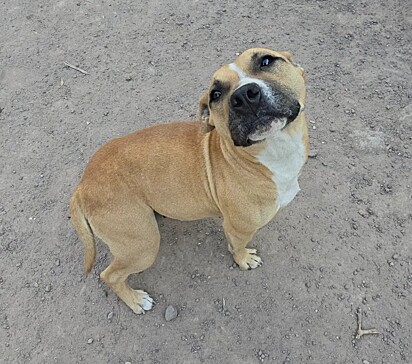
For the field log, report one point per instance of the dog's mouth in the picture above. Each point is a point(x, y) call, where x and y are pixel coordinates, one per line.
point(268, 130)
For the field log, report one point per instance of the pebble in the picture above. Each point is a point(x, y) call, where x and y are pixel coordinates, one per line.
point(365, 361)
point(363, 213)
point(110, 315)
point(48, 288)
point(90, 341)
point(171, 313)
point(57, 262)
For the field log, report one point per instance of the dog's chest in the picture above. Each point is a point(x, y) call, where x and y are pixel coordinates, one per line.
point(284, 156)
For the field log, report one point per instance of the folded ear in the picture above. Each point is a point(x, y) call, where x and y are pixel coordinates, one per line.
point(288, 56)
point(204, 113)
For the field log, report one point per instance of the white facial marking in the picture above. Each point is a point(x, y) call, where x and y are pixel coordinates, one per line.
point(244, 80)
point(284, 156)
point(275, 126)
point(234, 67)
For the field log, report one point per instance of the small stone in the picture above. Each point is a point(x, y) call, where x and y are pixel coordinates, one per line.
point(57, 262)
point(90, 341)
point(127, 362)
point(365, 361)
point(395, 256)
point(363, 213)
point(128, 78)
point(171, 313)
point(48, 288)
point(110, 315)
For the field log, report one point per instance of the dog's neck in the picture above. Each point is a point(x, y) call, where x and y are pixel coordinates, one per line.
point(284, 156)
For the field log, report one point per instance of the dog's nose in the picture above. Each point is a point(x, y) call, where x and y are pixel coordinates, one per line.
point(246, 98)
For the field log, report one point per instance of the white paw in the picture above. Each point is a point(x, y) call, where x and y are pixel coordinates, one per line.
point(142, 302)
point(147, 301)
point(247, 259)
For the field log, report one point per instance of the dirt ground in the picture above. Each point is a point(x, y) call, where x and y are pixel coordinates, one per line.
point(344, 243)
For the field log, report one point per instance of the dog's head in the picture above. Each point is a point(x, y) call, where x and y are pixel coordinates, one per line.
point(249, 100)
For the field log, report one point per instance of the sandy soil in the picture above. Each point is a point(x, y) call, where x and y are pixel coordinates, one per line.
point(343, 244)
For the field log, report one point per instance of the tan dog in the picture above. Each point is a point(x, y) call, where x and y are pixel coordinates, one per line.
point(242, 166)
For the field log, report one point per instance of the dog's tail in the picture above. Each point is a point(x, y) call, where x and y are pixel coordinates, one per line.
point(84, 231)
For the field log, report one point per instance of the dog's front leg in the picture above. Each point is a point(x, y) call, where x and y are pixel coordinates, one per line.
point(238, 240)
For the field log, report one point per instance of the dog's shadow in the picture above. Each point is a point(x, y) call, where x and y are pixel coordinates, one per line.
point(188, 251)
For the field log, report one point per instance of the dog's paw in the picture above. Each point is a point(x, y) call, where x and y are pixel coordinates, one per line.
point(247, 259)
point(142, 302)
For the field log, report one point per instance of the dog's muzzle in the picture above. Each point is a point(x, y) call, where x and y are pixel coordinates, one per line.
point(256, 110)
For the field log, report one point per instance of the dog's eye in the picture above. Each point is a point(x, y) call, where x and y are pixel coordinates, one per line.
point(267, 61)
point(215, 94)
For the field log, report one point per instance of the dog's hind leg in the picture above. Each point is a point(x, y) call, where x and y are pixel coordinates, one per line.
point(115, 276)
point(134, 242)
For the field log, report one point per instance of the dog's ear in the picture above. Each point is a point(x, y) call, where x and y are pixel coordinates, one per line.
point(288, 56)
point(204, 113)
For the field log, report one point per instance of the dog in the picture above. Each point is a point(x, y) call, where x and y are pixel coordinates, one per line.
point(241, 161)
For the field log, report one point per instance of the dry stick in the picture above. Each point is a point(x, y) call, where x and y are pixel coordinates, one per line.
point(360, 332)
point(76, 68)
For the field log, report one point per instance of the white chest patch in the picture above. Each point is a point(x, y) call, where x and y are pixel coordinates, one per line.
point(284, 156)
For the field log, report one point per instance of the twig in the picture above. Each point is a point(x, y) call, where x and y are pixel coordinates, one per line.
point(76, 68)
point(360, 332)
